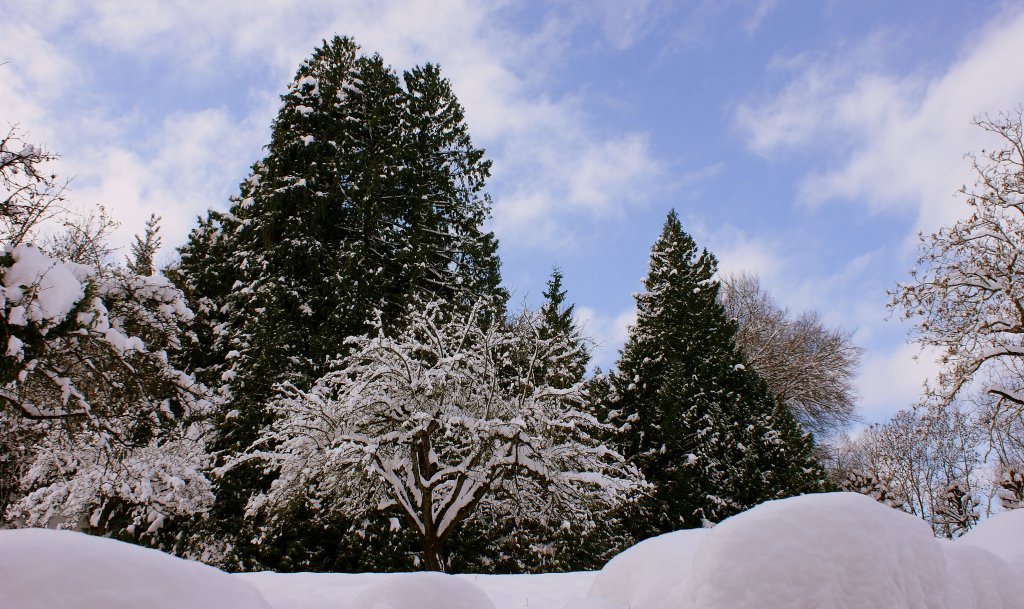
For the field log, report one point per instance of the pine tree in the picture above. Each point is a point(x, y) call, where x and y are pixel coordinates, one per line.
point(369, 198)
point(702, 427)
point(145, 247)
point(557, 321)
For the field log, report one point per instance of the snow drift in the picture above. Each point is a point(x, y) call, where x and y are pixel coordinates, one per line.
point(428, 590)
point(641, 576)
point(1003, 535)
point(834, 550)
point(45, 569)
point(827, 551)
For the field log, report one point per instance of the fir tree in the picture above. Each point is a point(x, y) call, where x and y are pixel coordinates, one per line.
point(557, 321)
point(369, 197)
point(702, 427)
point(145, 247)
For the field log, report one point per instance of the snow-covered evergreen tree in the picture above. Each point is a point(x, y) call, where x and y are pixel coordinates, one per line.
point(703, 427)
point(429, 426)
point(557, 321)
point(145, 247)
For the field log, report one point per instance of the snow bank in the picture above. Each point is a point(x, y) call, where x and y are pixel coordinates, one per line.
point(640, 576)
point(833, 550)
point(44, 569)
point(427, 590)
point(338, 590)
point(1002, 534)
point(836, 550)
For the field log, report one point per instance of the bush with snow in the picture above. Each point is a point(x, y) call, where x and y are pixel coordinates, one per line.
point(443, 421)
point(118, 440)
point(44, 569)
point(428, 590)
point(833, 550)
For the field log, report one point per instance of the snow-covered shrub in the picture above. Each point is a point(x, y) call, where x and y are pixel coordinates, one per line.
point(42, 569)
point(423, 591)
point(86, 358)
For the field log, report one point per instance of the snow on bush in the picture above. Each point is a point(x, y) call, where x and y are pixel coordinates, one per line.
point(832, 550)
point(44, 569)
point(1002, 535)
point(86, 360)
point(640, 576)
point(426, 590)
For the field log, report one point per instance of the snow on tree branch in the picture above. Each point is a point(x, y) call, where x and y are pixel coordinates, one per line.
point(437, 422)
point(966, 293)
point(28, 193)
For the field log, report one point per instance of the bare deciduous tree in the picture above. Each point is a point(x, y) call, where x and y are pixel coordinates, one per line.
point(928, 465)
point(966, 292)
point(807, 365)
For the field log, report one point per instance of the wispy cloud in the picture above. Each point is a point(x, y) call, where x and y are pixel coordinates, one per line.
point(891, 141)
point(554, 165)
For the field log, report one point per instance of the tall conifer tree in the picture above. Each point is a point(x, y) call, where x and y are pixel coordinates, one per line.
point(369, 197)
point(701, 426)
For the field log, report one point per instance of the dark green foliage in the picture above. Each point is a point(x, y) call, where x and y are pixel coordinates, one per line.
point(369, 197)
point(145, 247)
point(702, 427)
point(558, 321)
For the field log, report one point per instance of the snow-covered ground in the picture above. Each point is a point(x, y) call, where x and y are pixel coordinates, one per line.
point(835, 551)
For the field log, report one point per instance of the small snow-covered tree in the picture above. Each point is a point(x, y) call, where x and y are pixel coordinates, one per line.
point(966, 292)
point(808, 366)
point(956, 511)
point(442, 420)
point(145, 247)
point(87, 360)
point(1011, 489)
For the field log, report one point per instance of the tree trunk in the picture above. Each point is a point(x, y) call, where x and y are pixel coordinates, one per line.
point(432, 554)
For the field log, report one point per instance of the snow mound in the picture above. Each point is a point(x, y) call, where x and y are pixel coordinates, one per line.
point(425, 590)
point(1002, 534)
point(842, 551)
point(978, 579)
point(830, 550)
point(43, 569)
point(639, 576)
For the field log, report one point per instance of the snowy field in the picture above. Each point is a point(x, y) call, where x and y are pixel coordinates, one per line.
point(829, 551)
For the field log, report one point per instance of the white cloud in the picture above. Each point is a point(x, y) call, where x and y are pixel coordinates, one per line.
point(893, 380)
point(609, 333)
point(552, 162)
point(892, 141)
point(178, 171)
point(740, 253)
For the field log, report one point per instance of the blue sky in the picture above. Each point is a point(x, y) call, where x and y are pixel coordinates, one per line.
point(806, 142)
